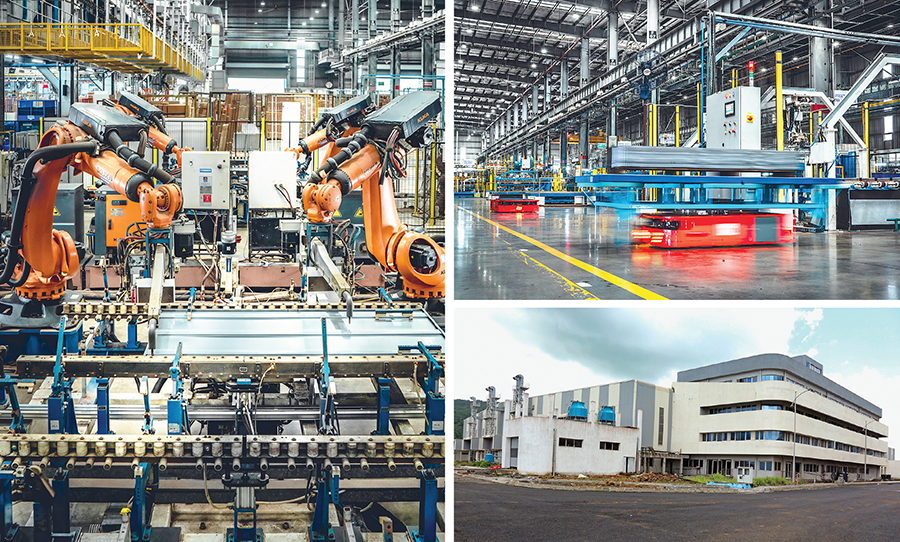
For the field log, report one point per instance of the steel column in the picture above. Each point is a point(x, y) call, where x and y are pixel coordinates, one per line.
point(652, 21)
point(612, 46)
point(563, 78)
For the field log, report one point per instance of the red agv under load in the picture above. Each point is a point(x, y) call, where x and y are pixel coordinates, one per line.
point(714, 230)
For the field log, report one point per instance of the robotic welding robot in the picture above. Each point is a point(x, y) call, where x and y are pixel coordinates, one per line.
point(38, 260)
point(371, 158)
point(340, 121)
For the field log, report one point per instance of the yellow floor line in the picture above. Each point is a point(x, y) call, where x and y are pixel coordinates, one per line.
point(573, 288)
point(605, 275)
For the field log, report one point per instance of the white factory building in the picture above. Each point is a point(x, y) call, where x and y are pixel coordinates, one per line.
point(578, 444)
point(735, 418)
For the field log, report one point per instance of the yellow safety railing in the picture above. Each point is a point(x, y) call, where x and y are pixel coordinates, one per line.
point(128, 47)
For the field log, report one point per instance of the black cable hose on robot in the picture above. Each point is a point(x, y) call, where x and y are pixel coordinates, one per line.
point(134, 160)
point(45, 154)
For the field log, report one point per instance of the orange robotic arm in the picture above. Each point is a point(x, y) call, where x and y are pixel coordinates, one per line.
point(323, 138)
point(416, 257)
point(44, 268)
point(155, 137)
point(166, 144)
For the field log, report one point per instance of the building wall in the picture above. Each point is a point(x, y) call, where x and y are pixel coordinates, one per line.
point(627, 398)
point(537, 445)
point(694, 400)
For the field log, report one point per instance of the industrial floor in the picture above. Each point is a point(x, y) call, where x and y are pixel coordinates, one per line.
point(569, 252)
point(833, 514)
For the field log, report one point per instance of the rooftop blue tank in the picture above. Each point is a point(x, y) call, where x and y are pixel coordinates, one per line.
point(577, 410)
point(607, 416)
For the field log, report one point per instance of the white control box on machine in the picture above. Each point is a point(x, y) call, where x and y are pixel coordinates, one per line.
point(272, 176)
point(206, 180)
point(732, 119)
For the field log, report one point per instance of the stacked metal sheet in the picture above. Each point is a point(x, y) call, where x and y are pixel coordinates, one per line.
point(693, 159)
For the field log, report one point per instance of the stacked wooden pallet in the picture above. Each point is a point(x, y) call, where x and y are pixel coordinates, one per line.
point(228, 110)
point(271, 106)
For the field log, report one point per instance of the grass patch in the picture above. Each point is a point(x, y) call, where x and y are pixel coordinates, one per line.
point(484, 464)
point(702, 479)
point(771, 481)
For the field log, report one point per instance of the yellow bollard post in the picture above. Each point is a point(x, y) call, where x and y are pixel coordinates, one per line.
point(779, 105)
point(699, 116)
point(262, 134)
point(865, 171)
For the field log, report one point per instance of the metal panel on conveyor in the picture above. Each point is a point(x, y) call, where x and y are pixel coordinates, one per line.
point(691, 159)
point(292, 332)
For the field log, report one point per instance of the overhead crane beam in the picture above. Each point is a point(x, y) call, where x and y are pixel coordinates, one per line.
point(559, 28)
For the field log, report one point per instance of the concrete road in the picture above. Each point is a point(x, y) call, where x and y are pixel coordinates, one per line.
point(488, 512)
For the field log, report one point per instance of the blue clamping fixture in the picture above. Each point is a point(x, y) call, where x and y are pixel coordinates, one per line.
point(60, 406)
point(434, 399)
point(384, 407)
point(328, 493)
point(146, 482)
point(8, 529)
point(176, 408)
point(327, 412)
point(147, 428)
point(428, 494)
point(103, 407)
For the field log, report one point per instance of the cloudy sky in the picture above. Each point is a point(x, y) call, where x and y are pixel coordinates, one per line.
point(562, 349)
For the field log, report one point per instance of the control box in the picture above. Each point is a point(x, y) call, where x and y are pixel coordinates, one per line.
point(113, 214)
point(272, 176)
point(206, 180)
point(732, 119)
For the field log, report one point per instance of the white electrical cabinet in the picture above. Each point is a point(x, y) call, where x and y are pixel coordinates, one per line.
point(272, 176)
point(732, 119)
point(206, 180)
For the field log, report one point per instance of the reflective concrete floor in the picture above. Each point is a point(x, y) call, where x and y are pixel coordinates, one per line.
point(586, 253)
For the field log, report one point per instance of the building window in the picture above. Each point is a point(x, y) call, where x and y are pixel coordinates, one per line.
point(740, 435)
point(748, 379)
point(778, 465)
point(609, 446)
point(771, 407)
point(765, 465)
point(771, 435)
point(888, 127)
point(662, 413)
point(301, 66)
point(570, 442)
point(810, 467)
point(772, 377)
point(813, 367)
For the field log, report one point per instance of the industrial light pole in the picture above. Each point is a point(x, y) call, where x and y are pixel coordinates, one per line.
point(866, 450)
point(794, 438)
